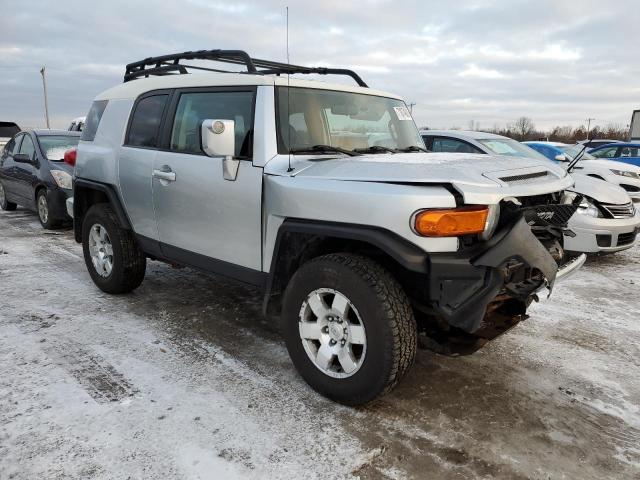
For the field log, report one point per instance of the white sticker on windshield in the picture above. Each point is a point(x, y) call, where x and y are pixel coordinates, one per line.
point(402, 113)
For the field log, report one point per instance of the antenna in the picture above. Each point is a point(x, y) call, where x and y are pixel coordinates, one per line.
point(289, 169)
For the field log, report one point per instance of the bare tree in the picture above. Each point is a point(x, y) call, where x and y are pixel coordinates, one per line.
point(523, 127)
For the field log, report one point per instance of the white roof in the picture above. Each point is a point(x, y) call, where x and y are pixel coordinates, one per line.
point(134, 88)
point(464, 134)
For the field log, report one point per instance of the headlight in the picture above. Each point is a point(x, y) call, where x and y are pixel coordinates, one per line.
point(63, 179)
point(587, 207)
point(624, 173)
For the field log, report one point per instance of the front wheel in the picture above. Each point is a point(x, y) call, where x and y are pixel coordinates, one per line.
point(44, 214)
point(114, 260)
point(349, 327)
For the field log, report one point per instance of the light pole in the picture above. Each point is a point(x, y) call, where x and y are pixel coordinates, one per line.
point(589, 126)
point(46, 100)
point(411, 107)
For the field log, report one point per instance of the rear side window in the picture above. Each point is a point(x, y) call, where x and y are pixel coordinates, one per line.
point(93, 120)
point(453, 146)
point(145, 122)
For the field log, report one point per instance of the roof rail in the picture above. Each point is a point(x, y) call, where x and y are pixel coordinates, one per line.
point(170, 64)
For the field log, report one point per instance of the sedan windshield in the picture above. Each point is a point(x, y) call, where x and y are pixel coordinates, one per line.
point(309, 119)
point(572, 150)
point(506, 146)
point(54, 146)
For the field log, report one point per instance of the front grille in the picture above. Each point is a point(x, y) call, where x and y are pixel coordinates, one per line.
point(557, 215)
point(626, 238)
point(630, 188)
point(619, 211)
point(526, 178)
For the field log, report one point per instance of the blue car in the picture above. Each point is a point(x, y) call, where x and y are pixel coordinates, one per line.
point(620, 152)
point(551, 150)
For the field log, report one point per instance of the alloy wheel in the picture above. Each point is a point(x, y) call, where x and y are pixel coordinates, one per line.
point(43, 208)
point(332, 333)
point(101, 250)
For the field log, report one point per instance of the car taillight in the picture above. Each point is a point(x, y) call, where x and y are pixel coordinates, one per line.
point(70, 156)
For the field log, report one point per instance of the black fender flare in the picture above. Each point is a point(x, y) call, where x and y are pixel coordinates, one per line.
point(81, 187)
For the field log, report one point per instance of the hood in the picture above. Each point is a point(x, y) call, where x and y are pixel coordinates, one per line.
point(599, 190)
point(470, 174)
point(610, 164)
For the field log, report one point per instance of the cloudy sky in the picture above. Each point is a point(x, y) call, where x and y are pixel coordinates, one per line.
point(558, 62)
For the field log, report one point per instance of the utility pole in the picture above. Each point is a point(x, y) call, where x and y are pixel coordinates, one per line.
point(46, 100)
point(589, 126)
point(411, 107)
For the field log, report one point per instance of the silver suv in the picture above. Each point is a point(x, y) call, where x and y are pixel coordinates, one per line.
point(324, 197)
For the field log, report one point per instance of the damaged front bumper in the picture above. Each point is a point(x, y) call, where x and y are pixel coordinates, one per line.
point(461, 286)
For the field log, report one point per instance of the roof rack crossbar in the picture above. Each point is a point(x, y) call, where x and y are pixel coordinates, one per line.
point(170, 64)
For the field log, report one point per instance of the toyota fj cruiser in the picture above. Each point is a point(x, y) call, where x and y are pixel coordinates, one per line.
point(324, 197)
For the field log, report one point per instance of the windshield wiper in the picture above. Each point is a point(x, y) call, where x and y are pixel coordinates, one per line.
point(323, 149)
point(576, 159)
point(376, 149)
point(412, 148)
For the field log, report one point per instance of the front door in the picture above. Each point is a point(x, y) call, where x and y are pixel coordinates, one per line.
point(25, 173)
point(203, 219)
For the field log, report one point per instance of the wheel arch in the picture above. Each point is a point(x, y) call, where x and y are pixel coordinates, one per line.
point(87, 193)
point(298, 241)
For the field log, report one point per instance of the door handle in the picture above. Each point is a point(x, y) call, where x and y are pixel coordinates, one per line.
point(165, 173)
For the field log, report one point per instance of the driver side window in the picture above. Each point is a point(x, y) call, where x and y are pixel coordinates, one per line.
point(605, 152)
point(28, 148)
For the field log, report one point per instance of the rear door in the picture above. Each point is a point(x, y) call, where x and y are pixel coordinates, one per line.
point(25, 173)
point(203, 219)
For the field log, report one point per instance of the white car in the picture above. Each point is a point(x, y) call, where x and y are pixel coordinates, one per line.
point(607, 220)
point(7, 131)
point(77, 124)
point(624, 175)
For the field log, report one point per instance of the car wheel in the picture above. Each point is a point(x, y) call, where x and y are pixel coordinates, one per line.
point(44, 213)
point(112, 255)
point(348, 327)
point(4, 203)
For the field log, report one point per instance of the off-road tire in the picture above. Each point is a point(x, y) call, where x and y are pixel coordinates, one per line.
point(50, 223)
point(6, 204)
point(129, 261)
point(385, 312)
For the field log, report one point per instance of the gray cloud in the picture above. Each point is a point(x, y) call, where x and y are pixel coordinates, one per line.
point(482, 60)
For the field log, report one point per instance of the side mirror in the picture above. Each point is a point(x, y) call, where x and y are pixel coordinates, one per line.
point(561, 158)
point(22, 158)
point(219, 140)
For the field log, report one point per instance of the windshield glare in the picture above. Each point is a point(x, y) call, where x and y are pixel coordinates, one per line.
point(504, 146)
point(54, 146)
point(573, 150)
point(308, 117)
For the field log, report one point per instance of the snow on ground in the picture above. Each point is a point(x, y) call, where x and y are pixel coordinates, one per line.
point(184, 379)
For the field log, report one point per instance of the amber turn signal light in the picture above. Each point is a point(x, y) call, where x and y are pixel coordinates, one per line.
point(451, 222)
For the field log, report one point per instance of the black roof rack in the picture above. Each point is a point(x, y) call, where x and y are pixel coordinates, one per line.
point(170, 64)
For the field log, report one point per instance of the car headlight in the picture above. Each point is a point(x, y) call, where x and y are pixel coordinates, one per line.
point(587, 207)
point(63, 179)
point(624, 173)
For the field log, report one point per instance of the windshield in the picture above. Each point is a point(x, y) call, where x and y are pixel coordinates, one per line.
point(54, 146)
point(506, 146)
point(309, 117)
point(572, 150)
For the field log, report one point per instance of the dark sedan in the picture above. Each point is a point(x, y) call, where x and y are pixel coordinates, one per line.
point(34, 175)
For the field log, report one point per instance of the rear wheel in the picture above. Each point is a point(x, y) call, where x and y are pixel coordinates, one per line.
point(114, 260)
point(349, 327)
point(44, 214)
point(4, 203)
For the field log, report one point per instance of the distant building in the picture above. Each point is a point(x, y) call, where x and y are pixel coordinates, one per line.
point(634, 129)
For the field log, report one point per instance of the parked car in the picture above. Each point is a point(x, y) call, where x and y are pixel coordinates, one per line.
point(283, 183)
point(7, 130)
point(624, 175)
point(33, 174)
point(77, 124)
point(621, 152)
point(594, 143)
point(605, 210)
